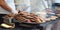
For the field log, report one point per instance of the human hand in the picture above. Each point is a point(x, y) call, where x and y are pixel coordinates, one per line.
point(14, 12)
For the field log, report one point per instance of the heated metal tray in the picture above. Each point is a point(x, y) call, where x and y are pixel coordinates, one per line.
point(35, 25)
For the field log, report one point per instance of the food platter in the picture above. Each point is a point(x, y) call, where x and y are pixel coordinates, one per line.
point(30, 19)
point(35, 25)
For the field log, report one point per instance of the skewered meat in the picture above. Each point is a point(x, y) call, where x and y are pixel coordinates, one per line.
point(58, 15)
point(26, 17)
point(24, 13)
point(53, 17)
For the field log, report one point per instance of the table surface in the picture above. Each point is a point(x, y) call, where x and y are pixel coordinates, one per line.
point(43, 24)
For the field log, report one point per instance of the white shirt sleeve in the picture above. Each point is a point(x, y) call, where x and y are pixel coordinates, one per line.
point(11, 4)
point(24, 5)
point(56, 1)
point(45, 3)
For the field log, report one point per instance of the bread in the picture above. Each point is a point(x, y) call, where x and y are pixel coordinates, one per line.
point(58, 15)
point(53, 17)
point(7, 26)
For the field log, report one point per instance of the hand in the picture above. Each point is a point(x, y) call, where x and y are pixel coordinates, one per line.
point(14, 12)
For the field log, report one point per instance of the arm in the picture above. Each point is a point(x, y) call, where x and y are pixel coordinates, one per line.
point(4, 5)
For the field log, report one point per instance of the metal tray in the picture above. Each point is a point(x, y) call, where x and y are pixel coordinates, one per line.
point(34, 25)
